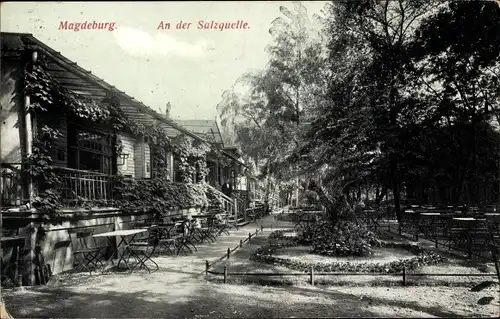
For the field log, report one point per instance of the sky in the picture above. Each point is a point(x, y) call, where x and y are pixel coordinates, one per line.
point(190, 68)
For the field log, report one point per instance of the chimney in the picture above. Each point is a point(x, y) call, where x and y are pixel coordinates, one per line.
point(167, 110)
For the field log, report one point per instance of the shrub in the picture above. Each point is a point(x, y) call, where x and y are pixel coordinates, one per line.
point(344, 238)
point(309, 198)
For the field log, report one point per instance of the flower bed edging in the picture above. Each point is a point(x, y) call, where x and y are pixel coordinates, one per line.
point(423, 257)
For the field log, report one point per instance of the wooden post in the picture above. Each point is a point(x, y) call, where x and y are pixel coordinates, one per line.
point(249, 236)
point(261, 228)
point(228, 253)
point(469, 245)
point(404, 275)
point(235, 203)
point(225, 274)
point(207, 266)
point(16, 255)
point(241, 243)
point(311, 276)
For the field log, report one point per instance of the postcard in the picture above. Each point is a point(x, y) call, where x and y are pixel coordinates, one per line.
point(247, 159)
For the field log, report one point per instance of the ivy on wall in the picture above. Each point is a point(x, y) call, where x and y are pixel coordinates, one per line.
point(157, 194)
point(192, 158)
point(40, 169)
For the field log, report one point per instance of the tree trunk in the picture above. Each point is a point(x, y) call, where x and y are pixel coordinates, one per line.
point(327, 203)
point(395, 188)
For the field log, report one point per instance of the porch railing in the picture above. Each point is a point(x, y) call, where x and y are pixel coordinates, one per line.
point(11, 185)
point(228, 203)
point(84, 186)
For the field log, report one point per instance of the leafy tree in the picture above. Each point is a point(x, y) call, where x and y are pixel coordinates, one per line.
point(268, 120)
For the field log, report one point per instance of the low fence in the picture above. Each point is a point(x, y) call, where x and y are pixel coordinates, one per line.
point(208, 265)
point(404, 274)
point(312, 274)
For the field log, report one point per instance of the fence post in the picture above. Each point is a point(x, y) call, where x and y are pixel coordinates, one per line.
point(207, 266)
point(256, 231)
point(228, 253)
point(249, 236)
point(241, 243)
point(469, 245)
point(404, 275)
point(225, 274)
point(261, 228)
point(311, 276)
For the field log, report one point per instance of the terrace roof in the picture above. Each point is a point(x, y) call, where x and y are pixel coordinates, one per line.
point(81, 82)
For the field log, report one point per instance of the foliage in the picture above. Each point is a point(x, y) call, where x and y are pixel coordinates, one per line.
point(42, 174)
point(214, 200)
point(345, 238)
point(47, 93)
point(397, 105)
point(157, 195)
point(309, 198)
point(267, 121)
point(423, 257)
point(192, 158)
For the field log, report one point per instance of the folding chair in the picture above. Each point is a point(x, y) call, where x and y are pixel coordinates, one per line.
point(187, 238)
point(222, 226)
point(143, 249)
point(85, 247)
point(168, 237)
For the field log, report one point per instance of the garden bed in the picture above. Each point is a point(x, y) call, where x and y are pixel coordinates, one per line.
point(388, 257)
point(243, 261)
point(380, 255)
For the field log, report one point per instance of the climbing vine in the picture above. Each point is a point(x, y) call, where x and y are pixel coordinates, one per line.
point(192, 158)
point(42, 173)
point(158, 194)
point(46, 93)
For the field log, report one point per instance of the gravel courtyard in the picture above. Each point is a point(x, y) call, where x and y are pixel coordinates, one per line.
point(178, 290)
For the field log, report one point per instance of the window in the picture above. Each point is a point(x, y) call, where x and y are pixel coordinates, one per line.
point(91, 151)
point(177, 173)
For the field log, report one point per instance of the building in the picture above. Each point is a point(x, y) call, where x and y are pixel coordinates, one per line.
point(69, 141)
